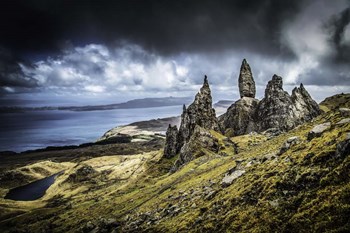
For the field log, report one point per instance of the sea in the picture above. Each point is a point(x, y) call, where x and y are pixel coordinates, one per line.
point(38, 129)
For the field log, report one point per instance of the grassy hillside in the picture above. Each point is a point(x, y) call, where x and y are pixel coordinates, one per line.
point(336, 101)
point(304, 189)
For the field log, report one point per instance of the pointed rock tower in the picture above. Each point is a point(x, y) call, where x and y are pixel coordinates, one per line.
point(200, 113)
point(246, 81)
point(239, 118)
point(196, 121)
point(170, 142)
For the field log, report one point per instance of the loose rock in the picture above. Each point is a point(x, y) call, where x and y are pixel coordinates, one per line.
point(230, 177)
point(318, 130)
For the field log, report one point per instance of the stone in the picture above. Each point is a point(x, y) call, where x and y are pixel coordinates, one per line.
point(343, 148)
point(201, 139)
point(318, 130)
point(287, 144)
point(246, 81)
point(240, 117)
point(345, 112)
point(230, 176)
point(272, 132)
point(210, 195)
point(343, 121)
point(170, 142)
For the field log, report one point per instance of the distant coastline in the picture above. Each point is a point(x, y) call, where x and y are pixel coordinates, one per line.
point(136, 103)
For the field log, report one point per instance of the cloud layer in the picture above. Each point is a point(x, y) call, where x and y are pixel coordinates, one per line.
point(153, 49)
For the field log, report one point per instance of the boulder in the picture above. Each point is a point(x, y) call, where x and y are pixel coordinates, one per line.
point(246, 81)
point(170, 142)
point(287, 144)
point(318, 130)
point(343, 148)
point(343, 121)
point(345, 112)
point(230, 176)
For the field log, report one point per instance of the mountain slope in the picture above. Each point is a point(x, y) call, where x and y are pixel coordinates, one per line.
point(263, 184)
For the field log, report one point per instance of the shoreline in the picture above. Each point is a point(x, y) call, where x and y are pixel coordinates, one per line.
point(140, 131)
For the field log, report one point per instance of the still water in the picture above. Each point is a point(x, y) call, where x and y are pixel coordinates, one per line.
point(39, 129)
point(31, 191)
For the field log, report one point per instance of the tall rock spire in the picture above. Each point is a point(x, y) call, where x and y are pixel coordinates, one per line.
point(246, 81)
point(200, 113)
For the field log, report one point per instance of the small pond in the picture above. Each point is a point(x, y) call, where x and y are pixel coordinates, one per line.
point(32, 191)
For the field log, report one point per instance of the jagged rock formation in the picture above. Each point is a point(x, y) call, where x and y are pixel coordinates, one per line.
point(170, 142)
point(276, 110)
point(246, 81)
point(200, 113)
point(280, 110)
point(195, 121)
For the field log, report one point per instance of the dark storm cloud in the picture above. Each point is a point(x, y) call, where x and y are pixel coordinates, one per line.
point(167, 27)
point(147, 47)
point(337, 26)
point(11, 74)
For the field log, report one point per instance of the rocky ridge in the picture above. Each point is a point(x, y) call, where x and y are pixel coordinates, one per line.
point(277, 110)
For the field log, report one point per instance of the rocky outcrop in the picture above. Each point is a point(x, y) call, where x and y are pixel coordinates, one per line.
point(199, 140)
point(280, 110)
point(196, 121)
point(200, 113)
point(318, 130)
point(288, 144)
point(306, 107)
point(246, 81)
point(345, 112)
point(277, 110)
point(170, 142)
point(230, 176)
point(239, 118)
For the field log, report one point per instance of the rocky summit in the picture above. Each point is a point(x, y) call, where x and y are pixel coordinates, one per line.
point(277, 110)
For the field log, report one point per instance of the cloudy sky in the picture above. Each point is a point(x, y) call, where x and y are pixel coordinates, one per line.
point(83, 51)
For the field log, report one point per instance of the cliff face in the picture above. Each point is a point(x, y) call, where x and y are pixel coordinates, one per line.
point(277, 109)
